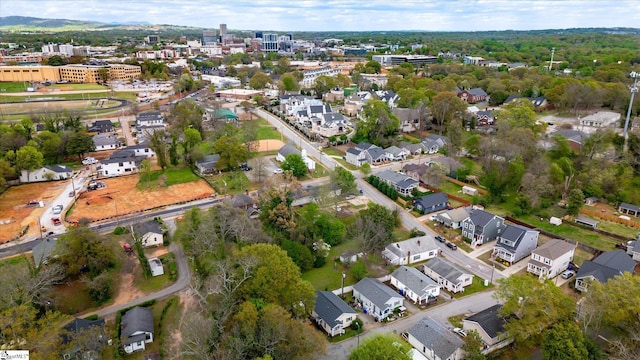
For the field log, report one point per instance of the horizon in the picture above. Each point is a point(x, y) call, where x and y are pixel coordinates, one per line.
point(342, 16)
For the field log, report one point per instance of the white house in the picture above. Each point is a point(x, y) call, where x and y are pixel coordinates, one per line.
point(156, 267)
point(435, 341)
point(46, 173)
point(148, 233)
point(331, 313)
point(141, 150)
point(355, 157)
point(289, 149)
point(395, 153)
point(448, 275)
point(551, 259)
point(105, 141)
point(411, 251)
point(152, 118)
point(120, 163)
point(414, 284)
point(377, 299)
point(137, 329)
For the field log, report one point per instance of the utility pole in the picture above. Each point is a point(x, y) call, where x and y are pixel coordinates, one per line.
point(634, 89)
point(553, 51)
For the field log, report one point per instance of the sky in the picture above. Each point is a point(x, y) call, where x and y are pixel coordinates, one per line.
point(342, 15)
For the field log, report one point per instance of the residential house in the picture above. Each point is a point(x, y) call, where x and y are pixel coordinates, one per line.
point(435, 341)
point(415, 285)
point(409, 118)
point(208, 164)
point(156, 267)
point(489, 324)
point(633, 249)
point(415, 171)
point(540, 103)
point(551, 259)
point(485, 118)
point(375, 156)
point(331, 124)
point(591, 200)
point(515, 243)
point(395, 153)
point(144, 133)
point(119, 163)
point(141, 150)
point(243, 201)
point(431, 203)
point(448, 275)
point(105, 141)
point(629, 209)
point(453, 218)
point(46, 173)
point(355, 157)
point(43, 250)
point(363, 146)
point(148, 233)
point(448, 164)
point(411, 251)
point(412, 149)
point(481, 227)
point(136, 329)
point(348, 257)
point(289, 149)
point(352, 105)
point(377, 299)
point(101, 126)
point(606, 266)
point(474, 95)
point(153, 118)
point(401, 182)
point(90, 333)
point(331, 313)
point(575, 138)
point(433, 143)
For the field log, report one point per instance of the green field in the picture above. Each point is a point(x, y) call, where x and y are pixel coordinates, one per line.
point(166, 178)
point(77, 87)
point(10, 87)
point(265, 131)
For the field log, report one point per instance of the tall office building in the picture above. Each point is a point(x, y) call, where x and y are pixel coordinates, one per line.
point(257, 35)
point(223, 30)
point(269, 42)
point(209, 37)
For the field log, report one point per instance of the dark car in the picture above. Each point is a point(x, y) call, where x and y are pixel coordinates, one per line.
point(245, 167)
point(452, 246)
point(441, 239)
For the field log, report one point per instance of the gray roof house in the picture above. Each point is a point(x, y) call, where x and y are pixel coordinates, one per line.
point(633, 249)
point(414, 284)
point(46, 173)
point(208, 164)
point(604, 267)
point(629, 209)
point(375, 155)
point(148, 233)
point(515, 243)
point(453, 218)
point(434, 340)
point(137, 329)
point(448, 275)
point(101, 126)
point(395, 153)
point(363, 146)
point(105, 141)
point(551, 258)
point(355, 157)
point(449, 164)
point(401, 182)
point(43, 250)
point(481, 227)
point(377, 299)
point(489, 324)
point(411, 251)
point(413, 149)
point(431, 203)
point(433, 143)
point(331, 313)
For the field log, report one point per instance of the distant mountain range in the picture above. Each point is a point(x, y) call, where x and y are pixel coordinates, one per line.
point(32, 23)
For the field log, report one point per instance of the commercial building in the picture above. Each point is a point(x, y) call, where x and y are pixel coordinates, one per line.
point(70, 73)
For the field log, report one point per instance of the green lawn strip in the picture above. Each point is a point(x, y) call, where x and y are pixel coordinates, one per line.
point(233, 182)
point(155, 283)
point(349, 333)
point(329, 277)
point(475, 287)
point(486, 257)
point(77, 87)
point(14, 260)
point(265, 133)
point(333, 152)
point(180, 176)
point(456, 320)
point(346, 165)
point(581, 235)
point(11, 87)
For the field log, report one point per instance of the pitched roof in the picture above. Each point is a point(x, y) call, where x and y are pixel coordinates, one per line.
point(416, 245)
point(480, 217)
point(146, 227)
point(445, 269)
point(59, 168)
point(148, 116)
point(137, 319)
point(242, 200)
point(378, 293)
point(414, 279)
point(433, 335)
point(105, 139)
point(477, 92)
point(554, 249)
point(289, 149)
point(607, 265)
point(330, 307)
point(457, 214)
point(630, 206)
point(514, 233)
point(354, 151)
point(490, 320)
point(392, 176)
point(376, 153)
point(418, 168)
point(394, 150)
point(407, 183)
point(432, 200)
point(364, 146)
point(79, 325)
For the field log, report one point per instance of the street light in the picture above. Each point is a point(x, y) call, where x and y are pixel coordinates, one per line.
point(343, 276)
point(634, 89)
point(358, 325)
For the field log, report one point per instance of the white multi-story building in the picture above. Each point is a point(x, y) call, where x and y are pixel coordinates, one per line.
point(310, 76)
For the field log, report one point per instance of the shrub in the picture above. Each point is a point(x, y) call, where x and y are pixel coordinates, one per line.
point(119, 230)
point(357, 324)
point(415, 233)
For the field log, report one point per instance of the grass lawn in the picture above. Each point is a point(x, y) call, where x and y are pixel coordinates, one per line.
point(123, 95)
point(72, 297)
point(266, 131)
point(13, 86)
point(475, 287)
point(616, 228)
point(346, 165)
point(233, 182)
point(155, 283)
point(333, 152)
point(349, 333)
point(329, 277)
point(180, 176)
point(77, 87)
point(456, 320)
point(581, 235)
point(14, 260)
point(486, 257)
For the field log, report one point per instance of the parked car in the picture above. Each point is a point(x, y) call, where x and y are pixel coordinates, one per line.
point(568, 274)
point(72, 193)
point(56, 221)
point(89, 161)
point(350, 197)
point(278, 171)
point(451, 246)
point(441, 239)
point(460, 332)
point(245, 167)
point(57, 209)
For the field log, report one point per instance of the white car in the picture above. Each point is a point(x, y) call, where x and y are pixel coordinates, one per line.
point(460, 332)
point(89, 161)
point(278, 171)
point(568, 274)
point(57, 209)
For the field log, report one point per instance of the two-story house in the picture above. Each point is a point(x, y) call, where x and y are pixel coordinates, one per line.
point(105, 141)
point(152, 118)
point(376, 298)
point(395, 153)
point(415, 285)
point(604, 267)
point(448, 275)
point(434, 340)
point(474, 95)
point(515, 243)
point(355, 157)
point(551, 259)
point(411, 251)
point(482, 227)
point(119, 163)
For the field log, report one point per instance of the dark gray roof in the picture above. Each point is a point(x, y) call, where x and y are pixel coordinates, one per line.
point(393, 177)
point(330, 307)
point(152, 115)
point(316, 109)
point(480, 217)
point(445, 269)
point(477, 92)
point(42, 250)
point(105, 139)
point(513, 233)
point(122, 154)
point(414, 279)
point(407, 183)
point(487, 113)
point(242, 200)
point(364, 146)
point(353, 151)
point(333, 117)
point(607, 265)
point(630, 207)
point(377, 292)
point(431, 200)
point(137, 319)
point(585, 220)
point(59, 168)
point(437, 137)
point(289, 149)
point(79, 325)
point(376, 153)
point(433, 335)
point(573, 135)
point(146, 227)
point(490, 320)
point(209, 161)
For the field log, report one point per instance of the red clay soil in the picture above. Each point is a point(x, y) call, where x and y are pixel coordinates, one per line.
point(122, 194)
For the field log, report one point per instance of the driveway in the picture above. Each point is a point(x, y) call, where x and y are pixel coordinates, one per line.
point(65, 200)
point(126, 130)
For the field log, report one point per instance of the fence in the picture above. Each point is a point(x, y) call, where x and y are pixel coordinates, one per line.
point(462, 183)
point(464, 202)
point(612, 218)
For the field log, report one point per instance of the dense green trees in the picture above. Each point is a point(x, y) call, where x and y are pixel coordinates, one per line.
point(383, 347)
point(295, 164)
point(378, 123)
point(80, 143)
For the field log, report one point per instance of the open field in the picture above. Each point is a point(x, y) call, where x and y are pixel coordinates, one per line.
point(266, 131)
point(269, 145)
point(15, 216)
point(54, 106)
point(122, 196)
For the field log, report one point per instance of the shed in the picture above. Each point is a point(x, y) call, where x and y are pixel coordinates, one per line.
point(590, 201)
point(555, 221)
point(468, 190)
point(586, 221)
point(156, 267)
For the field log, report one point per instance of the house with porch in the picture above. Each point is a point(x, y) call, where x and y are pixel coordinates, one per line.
point(375, 156)
point(152, 118)
point(451, 277)
point(208, 164)
point(433, 340)
point(411, 251)
point(395, 153)
point(105, 141)
point(355, 157)
point(604, 267)
point(551, 259)
point(515, 243)
point(482, 227)
point(489, 324)
point(332, 314)
point(289, 149)
point(411, 148)
point(629, 209)
point(415, 285)
point(136, 329)
point(453, 218)
point(433, 143)
point(122, 162)
point(431, 203)
point(401, 182)
point(46, 173)
point(415, 171)
point(376, 298)
point(141, 150)
point(149, 233)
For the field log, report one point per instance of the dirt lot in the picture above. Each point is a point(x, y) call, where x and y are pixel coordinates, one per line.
point(269, 145)
point(121, 193)
point(14, 215)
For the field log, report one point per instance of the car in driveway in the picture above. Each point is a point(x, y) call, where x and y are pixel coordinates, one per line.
point(441, 239)
point(57, 209)
point(56, 221)
point(89, 161)
point(460, 332)
point(451, 246)
point(568, 274)
point(278, 171)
